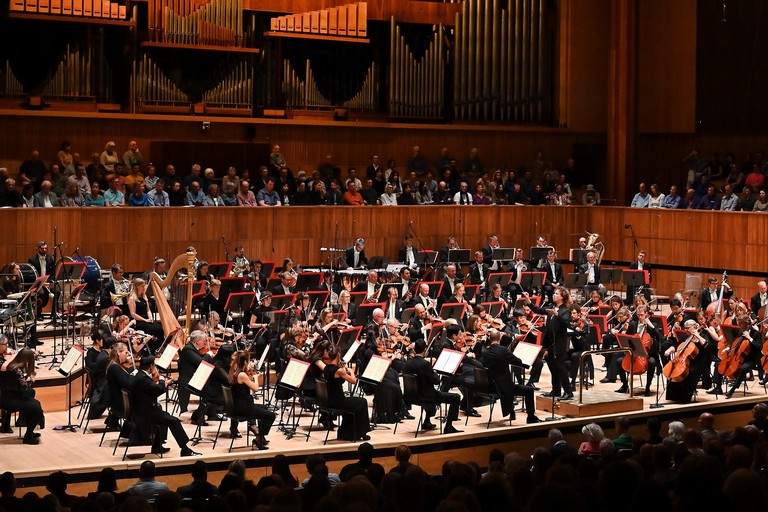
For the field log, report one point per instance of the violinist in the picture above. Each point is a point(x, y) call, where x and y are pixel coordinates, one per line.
point(394, 307)
point(464, 378)
point(523, 329)
point(642, 327)
point(96, 360)
point(296, 342)
point(261, 326)
point(751, 355)
point(486, 321)
point(119, 377)
point(709, 328)
point(458, 298)
point(404, 280)
point(191, 355)
point(496, 296)
point(676, 316)
point(683, 390)
point(592, 306)
point(497, 360)
point(243, 379)
point(19, 395)
point(620, 326)
point(217, 333)
point(616, 304)
point(579, 334)
point(419, 324)
point(305, 309)
point(452, 279)
point(123, 329)
point(329, 328)
point(138, 306)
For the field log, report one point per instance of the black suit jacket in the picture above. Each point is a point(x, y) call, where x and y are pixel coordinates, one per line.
point(474, 273)
point(362, 286)
point(497, 360)
point(399, 308)
point(707, 296)
point(426, 378)
point(754, 304)
point(189, 360)
point(556, 335)
point(145, 393)
point(557, 277)
point(646, 266)
point(117, 380)
point(401, 254)
point(349, 256)
point(49, 264)
point(585, 269)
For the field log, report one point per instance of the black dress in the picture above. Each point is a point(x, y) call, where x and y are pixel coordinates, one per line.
point(19, 396)
point(359, 426)
point(244, 406)
point(153, 328)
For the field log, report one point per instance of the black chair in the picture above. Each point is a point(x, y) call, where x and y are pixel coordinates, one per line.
point(229, 414)
point(85, 404)
point(483, 390)
point(3, 412)
point(411, 397)
point(321, 405)
point(131, 425)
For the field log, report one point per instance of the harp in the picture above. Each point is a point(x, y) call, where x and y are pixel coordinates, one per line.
point(168, 319)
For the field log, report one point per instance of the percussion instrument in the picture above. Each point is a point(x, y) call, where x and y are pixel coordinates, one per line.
point(92, 274)
point(28, 275)
point(350, 277)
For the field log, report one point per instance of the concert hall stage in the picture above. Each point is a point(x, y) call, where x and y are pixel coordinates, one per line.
point(80, 455)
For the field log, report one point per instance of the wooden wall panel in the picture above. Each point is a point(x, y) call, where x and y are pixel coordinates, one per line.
point(134, 237)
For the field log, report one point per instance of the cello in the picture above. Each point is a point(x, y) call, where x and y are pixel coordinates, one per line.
point(678, 367)
point(638, 365)
point(732, 356)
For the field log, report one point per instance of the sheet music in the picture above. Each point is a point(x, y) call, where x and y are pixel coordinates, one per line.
point(168, 354)
point(263, 358)
point(201, 376)
point(527, 352)
point(294, 373)
point(73, 356)
point(448, 361)
point(351, 351)
point(376, 369)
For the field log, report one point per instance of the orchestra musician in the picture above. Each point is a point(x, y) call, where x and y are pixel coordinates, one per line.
point(138, 307)
point(554, 277)
point(451, 279)
point(496, 296)
point(517, 266)
point(244, 380)
point(329, 286)
point(426, 379)
point(119, 378)
point(683, 391)
point(6, 354)
point(464, 377)
point(641, 326)
point(556, 342)
point(407, 253)
point(592, 271)
point(423, 298)
point(240, 263)
point(96, 360)
point(497, 360)
point(640, 264)
point(458, 298)
point(478, 271)
point(355, 255)
point(394, 307)
point(619, 324)
point(676, 315)
point(523, 329)
point(451, 245)
point(306, 309)
point(579, 343)
point(328, 327)
point(419, 324)
point(285, 286)
point(137, 340)
point(759, 300)
point(404, 280)
point(345, 305)
point(712, 292)
point(335, 374)
point(190, 357)
point(118, 286)
point(260, 325)
point(148, 414)
point(752, 335)
point(202, 274)
point(493, 243)
point(213, 300)
point(370, 286)
point(18, 393)
point(592, 306)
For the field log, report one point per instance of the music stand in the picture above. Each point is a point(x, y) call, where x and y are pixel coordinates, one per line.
point(277, 319)
point(530, 280)
point(660, 322)
point(493, 308)
point(384, 294)
point(70, 270)
point(239, 302)
point(357, 298)
point(365, 312)
point(535, 300)
point(634, 278)
point(576, 281)
point(600, 320)
point(634, 343)
point(454, 310)
point(292, 379)
point(425, 257)
point(435, 288)
point(306, 281)
point(537, 255)
point(459, 256)
point(220, 269)
point(407, 315)
point(268, 268)
point(74, 355)
point(471, 290)
point(196, 385)
point(349, 336)
point(609, 276)
point(378, 262)
point(283, 301)
point(501, 254)
point(448, 362)
point(319, 298)
point(434, 333)
point(579, 256)
point(501, 278)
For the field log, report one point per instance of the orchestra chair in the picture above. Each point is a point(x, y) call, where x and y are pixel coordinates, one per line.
point(411, 397)
point(128, 416)
point(85, 403)
point(321, 405)
point(482, 389)
point(3, 410)
point(229, 414)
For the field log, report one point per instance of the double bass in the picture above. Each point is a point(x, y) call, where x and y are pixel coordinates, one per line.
point(716, 308)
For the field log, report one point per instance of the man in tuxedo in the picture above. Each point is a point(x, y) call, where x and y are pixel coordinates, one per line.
point(42, 261)
point(407, 253)
point(370, 286)
point(422, 298)
point(284, 287)
point(451, 245)
point(452, 277)
point(759, 299)
point(426, 379)
point(478, 270)
point(556, 343)
point(497, 360)
point(554, 277)
point(355, 255)
point(712, 293)
point(404, 282)
point(417, 324)
point(464, 377)
point(394, 306)
point(189, 359)
point(148, 414)
point(493, 243)
point(592, 270)
point(640, 264)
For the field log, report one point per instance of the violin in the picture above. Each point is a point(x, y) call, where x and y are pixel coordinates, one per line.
point(465, 340)
point(488, 322)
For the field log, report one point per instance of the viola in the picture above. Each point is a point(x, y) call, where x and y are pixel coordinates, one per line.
point(488, 322)
point(465, 340)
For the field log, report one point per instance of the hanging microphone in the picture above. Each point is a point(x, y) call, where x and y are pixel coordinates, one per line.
point(627, 226)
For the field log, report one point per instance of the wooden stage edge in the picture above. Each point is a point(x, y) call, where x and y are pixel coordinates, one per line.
point(58, 450)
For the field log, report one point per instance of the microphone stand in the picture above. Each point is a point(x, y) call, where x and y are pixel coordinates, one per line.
point(657, 405)
point(634, 238)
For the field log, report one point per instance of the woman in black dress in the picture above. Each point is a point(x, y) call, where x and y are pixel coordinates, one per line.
point(19, 395)
point(335, 374)
point(243, 384)
point(138, 306)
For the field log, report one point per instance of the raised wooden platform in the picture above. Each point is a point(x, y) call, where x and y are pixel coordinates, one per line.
point(596, 402)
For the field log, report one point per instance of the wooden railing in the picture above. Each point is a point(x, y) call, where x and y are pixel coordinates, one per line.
point(681, 242)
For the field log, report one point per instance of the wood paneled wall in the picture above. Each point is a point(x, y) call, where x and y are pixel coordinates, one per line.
point(134, 236)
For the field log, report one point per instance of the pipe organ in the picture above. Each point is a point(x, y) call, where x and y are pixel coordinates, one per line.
point(104, 9)
point(235, 90)
point(197, 22)
point(349, 20)
point(499, 68)
point(155, 90)
point(74, 76)
point(305, 94)
point(416, 85)
point(9, 83)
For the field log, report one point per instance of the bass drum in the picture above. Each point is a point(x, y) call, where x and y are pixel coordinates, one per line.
point(28, 275)
point(92, 274)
